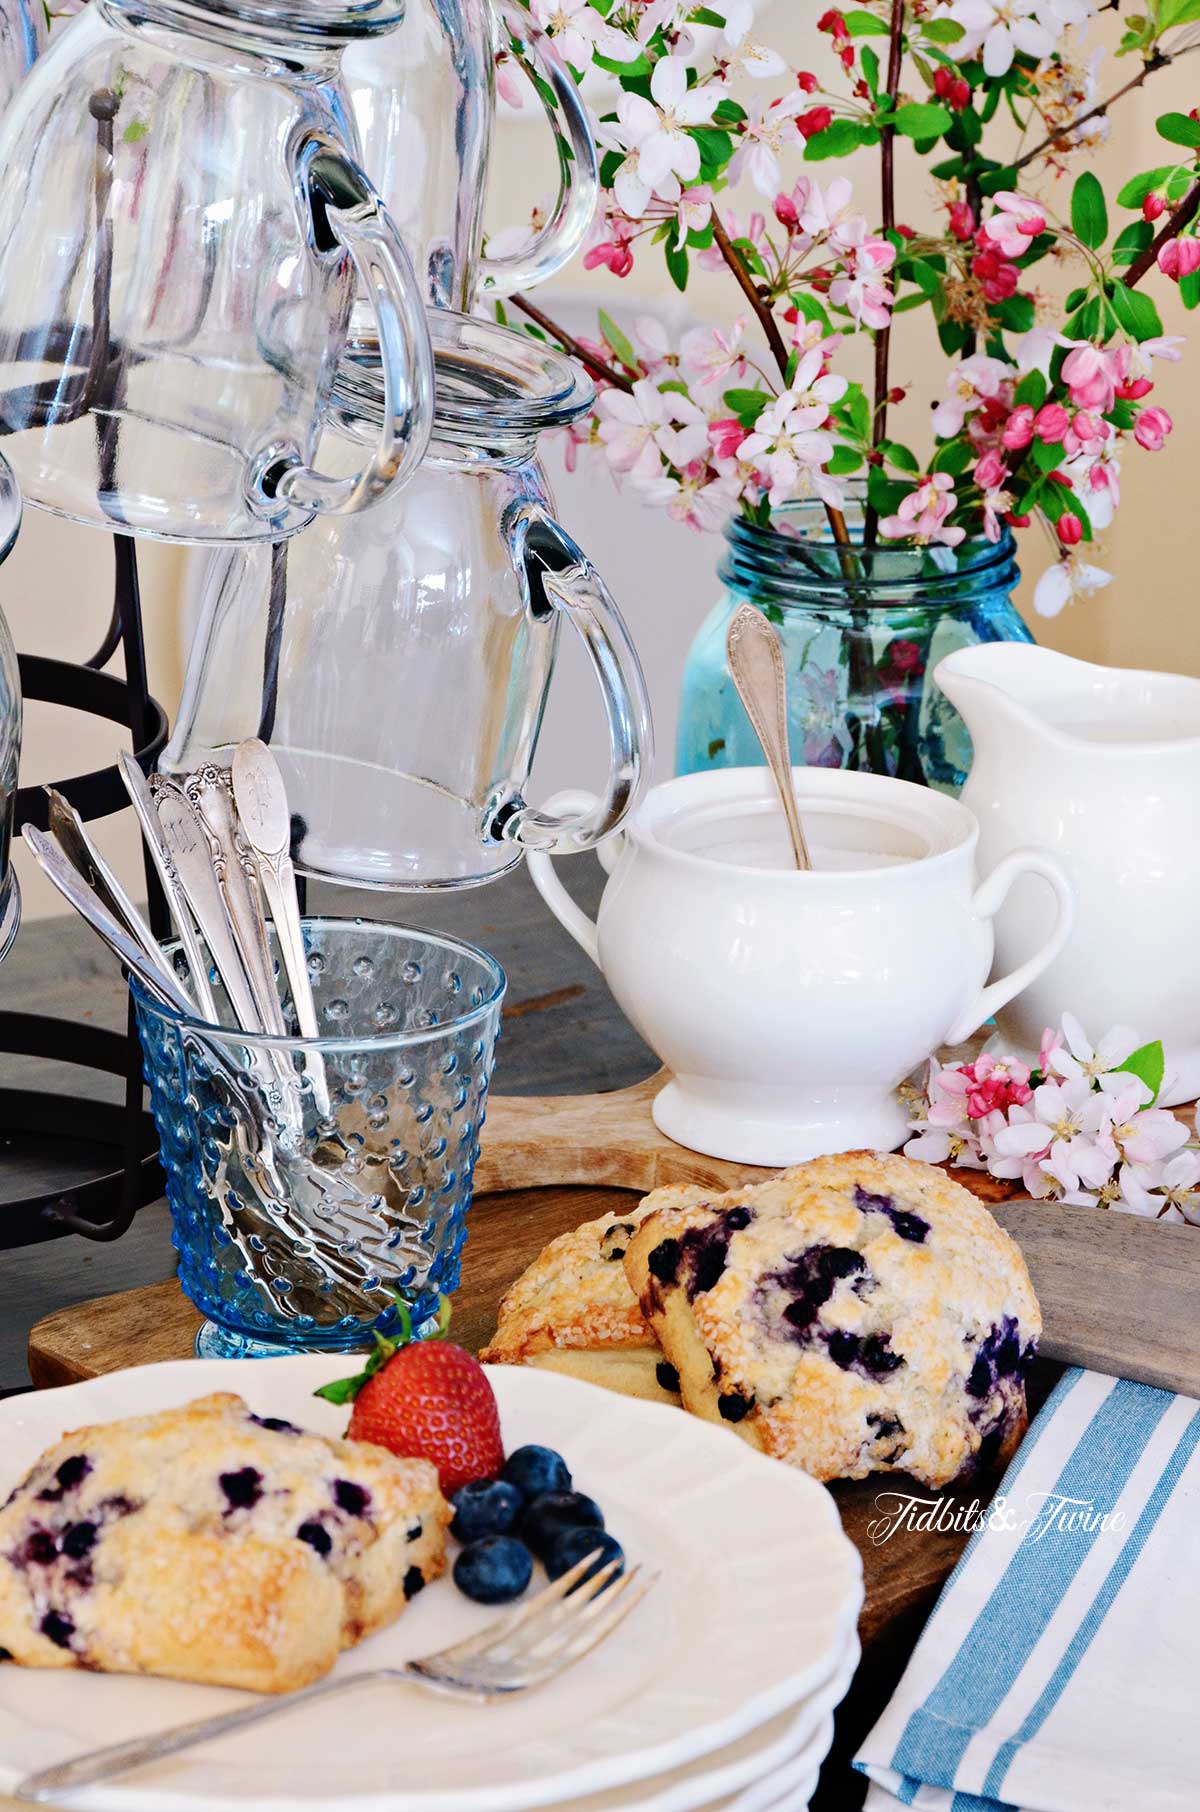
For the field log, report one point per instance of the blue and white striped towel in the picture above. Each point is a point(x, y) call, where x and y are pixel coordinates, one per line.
point(1060, 1671)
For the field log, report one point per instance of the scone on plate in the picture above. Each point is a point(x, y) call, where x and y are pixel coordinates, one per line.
point(857, 1314)
point(573, 1311)
point(206, 1544)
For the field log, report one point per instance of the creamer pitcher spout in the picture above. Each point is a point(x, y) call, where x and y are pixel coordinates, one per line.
point(1004, 687)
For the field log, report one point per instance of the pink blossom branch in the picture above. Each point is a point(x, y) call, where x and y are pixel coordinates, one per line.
point(591, 362)
point(1145, 260)
point(883, 336)
point(1159, 60)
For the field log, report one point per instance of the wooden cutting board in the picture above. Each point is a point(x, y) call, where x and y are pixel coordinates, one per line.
point(1118, 1294)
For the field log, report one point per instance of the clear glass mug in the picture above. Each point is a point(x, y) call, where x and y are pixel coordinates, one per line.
point(423, 100)
point(398, 661)
point(10, 722)
point(180, 259)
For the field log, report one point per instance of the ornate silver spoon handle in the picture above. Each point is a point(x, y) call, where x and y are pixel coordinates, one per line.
point(755, 659)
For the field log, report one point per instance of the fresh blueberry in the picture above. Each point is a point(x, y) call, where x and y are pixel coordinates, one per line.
point(733, 1405)
point(576, 1544)
point(494, 1570)
point(58, 1628)
point(72, 1472)
point(414, 1582)
point(536, 1470)
point(485, 1507)
point(667, 1376)
point(41, 1548)
point(548, 1516)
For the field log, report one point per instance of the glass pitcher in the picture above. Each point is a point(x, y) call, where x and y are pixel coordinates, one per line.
point(10, 722)
point(398, 661)
point(22, 39)
point(180, 256)
point(424, 103)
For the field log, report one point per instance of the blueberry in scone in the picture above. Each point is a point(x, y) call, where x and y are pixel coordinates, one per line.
point(209, 1544)
point(859, 1313)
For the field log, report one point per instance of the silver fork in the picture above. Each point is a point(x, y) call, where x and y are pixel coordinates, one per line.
point(531, 1645)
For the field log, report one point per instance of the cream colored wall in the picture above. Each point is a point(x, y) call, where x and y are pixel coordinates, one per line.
point(56, 588)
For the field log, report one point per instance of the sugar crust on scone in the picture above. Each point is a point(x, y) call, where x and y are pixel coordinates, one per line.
point(206, 1544)
point(858, 1313)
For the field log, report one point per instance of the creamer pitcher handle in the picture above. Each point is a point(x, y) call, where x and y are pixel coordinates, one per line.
point(347, 212)
point(987, 901)
point(559, 576)
point(578, 172)
point(542, 873)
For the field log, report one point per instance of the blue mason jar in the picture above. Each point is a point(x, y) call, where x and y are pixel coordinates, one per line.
point(862, 631)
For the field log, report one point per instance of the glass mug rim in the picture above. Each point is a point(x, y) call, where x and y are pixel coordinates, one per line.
point(233, 1036)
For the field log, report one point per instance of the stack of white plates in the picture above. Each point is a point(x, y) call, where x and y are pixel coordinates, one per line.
point(717, 1692)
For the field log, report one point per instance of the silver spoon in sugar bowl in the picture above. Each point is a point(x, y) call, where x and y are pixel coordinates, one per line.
point(755, 657)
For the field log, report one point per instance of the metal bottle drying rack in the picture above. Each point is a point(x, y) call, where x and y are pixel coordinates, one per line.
point(102, 1206)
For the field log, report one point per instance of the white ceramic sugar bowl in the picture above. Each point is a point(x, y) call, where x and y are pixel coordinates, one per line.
point(788, 1005)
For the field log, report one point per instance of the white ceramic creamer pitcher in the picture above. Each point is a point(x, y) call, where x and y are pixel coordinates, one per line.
point(1102, 767)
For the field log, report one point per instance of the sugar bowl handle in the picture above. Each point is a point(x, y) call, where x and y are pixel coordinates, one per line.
point(542, 873)
point(578, 171)
point(987, 901)
point(558, 576)
point(347, 213)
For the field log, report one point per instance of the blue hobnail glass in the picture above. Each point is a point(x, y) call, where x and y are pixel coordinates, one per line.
point(296, 1228)
point(862, 632)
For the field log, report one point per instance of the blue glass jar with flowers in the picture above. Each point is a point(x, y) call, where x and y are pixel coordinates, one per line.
point(862, 631)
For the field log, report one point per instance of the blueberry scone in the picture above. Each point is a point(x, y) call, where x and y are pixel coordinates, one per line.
point(573, 1311)
point(207, 1544)
point(858, 1314)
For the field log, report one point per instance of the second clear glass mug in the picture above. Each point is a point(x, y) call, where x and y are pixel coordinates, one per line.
point(180, 258)
point(398, 662)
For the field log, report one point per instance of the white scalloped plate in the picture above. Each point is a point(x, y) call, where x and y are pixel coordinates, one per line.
point(756, 1604)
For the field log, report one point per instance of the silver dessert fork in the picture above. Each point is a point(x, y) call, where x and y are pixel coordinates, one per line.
point(528, 1647)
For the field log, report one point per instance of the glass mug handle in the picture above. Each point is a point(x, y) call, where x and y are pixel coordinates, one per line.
point(578, 172)
point(560, 574)
point(346, 211)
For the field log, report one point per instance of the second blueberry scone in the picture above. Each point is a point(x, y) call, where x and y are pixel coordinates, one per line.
point(860, 1313)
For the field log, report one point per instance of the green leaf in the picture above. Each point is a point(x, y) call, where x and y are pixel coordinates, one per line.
point(837, 140)
point(921, 119)
point(1016, 313)
point(1189, 289)
point(943, 31)
point(885, 494)
point(747, 405)
point(705, 15)
point(953, 456)
point(1177, 12)
point(865, 25)
point(870, 68)
point(677, 264)
point(1131, 240)
point(716, 149)
point(807, 305)
point(901, 456)
point(858, 410)
point(620, 345)
point(728, 113)
point(1084, 324)
point(1179, 129)
point(1136, 312)
point(843, 460)
point(1046, 458)
point(135, 130)
point(637, 66)
point(1031, 389)
point(1135, 191)
point(1148, 1065)
point(1089, 216)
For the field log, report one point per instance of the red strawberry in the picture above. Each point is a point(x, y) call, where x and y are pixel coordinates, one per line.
point(425, 1400)
point(432, 1401)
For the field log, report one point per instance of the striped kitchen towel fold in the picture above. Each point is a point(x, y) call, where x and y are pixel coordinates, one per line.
point(1060, 1671)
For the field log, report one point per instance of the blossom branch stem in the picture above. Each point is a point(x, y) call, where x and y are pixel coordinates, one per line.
point(887, 159)
point(1177, 220)
point(591, 362)
point(1159, 60)
point(765, 318)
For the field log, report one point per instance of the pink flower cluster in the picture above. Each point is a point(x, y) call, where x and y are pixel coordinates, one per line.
point(1073, 1128)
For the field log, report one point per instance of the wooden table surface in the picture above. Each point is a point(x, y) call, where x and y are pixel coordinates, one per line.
point(562, 1034)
